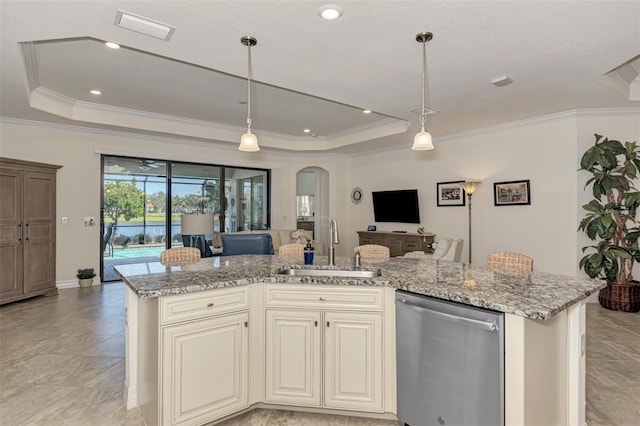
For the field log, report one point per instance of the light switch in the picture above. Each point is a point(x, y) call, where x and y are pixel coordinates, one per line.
point(64, 220)
point(89, 221)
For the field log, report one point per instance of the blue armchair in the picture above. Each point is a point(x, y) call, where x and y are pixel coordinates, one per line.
point(234, 244)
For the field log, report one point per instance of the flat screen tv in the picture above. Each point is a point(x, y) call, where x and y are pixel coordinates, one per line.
point(396, 206)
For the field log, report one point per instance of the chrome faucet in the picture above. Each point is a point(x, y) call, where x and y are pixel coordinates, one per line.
point(333, 239)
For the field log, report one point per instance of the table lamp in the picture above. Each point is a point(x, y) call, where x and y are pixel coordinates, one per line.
point(196, 226)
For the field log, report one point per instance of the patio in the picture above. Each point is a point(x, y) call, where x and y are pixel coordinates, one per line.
point(126, 255)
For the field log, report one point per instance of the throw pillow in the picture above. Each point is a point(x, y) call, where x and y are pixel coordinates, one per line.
point(300, 236)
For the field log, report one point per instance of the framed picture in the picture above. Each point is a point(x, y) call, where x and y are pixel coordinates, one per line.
point(512, 193)
point(450, 194)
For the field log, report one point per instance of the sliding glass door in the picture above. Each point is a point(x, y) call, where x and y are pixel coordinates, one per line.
point(134, 212)
point(195, 189)
point(246, 191)
point(144, 200)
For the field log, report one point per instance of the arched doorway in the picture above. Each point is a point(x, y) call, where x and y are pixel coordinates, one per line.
point(312, 202)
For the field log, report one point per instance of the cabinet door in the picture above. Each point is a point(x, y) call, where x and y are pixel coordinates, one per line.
point(395, 247)
point(10, 234)
point(205, 369)
point(39, 197)
point(293, 370)
point(353, 361)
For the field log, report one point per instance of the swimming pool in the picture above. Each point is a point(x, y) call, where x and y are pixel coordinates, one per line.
point(137, 251)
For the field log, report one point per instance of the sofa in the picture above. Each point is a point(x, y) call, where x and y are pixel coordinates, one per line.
point(280, 237)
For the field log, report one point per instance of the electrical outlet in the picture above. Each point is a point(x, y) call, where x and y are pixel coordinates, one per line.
point(64, 220)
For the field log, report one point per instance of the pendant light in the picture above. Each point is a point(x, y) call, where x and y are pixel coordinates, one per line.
point(249, 141)
point(422, 140)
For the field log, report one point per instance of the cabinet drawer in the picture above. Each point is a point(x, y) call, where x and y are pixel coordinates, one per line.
point(203, 304)
point(411, 245)
point(329, 297)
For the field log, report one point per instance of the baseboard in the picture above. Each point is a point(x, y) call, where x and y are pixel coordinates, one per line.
point(72, 284)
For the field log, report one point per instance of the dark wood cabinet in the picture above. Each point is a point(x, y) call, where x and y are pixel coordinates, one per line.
point(27, 229)
point(307, 225)
point(399, 243)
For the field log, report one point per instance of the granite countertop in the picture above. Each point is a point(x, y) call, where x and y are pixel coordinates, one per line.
point(532, 295)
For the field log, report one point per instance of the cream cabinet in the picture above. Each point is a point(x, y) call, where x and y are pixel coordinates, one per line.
point(188, 355)
point(293, 357)
point(321, 356)
point(205, 370)
point(353, 360)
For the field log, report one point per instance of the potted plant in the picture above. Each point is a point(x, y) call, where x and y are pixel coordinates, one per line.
point(85, 277)
point(611, 219)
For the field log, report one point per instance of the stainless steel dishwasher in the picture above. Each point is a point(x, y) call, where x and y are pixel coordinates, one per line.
point(450, 360)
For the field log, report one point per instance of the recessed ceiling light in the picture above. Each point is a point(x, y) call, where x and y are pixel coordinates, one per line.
point(366, 111)
point(96, 92)
point(307, 130)
point(330, 12)
point(112, 45)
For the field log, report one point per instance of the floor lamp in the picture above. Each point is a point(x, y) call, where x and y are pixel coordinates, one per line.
point(470, 188)
point(196, 226)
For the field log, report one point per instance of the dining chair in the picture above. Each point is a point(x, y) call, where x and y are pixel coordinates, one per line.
point(372, 251)
point(236, 244)
point(510, 261)
point(179, 254)
point(291, 250)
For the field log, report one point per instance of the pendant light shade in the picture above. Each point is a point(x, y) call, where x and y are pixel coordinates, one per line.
point(249, 141)
point(422, 141)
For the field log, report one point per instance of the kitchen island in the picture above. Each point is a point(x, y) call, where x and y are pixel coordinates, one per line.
point(178, 314)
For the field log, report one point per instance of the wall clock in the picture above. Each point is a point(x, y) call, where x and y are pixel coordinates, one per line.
point(356, 195)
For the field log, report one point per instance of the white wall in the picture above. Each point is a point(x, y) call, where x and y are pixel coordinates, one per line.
point(546, 151)
point(78, 188)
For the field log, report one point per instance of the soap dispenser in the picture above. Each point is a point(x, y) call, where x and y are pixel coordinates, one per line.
point(356, 259)
point(308, 254)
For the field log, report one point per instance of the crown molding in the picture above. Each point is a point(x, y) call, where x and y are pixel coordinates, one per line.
point(52, 102)
point(540, 119)
point(30, 63)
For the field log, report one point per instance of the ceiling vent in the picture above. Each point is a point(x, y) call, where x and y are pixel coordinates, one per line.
point(143, 25)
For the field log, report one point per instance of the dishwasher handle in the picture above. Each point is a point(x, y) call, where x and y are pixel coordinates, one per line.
point(482, 325)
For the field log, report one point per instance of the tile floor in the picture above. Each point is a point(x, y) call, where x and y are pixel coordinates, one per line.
point(62, 363)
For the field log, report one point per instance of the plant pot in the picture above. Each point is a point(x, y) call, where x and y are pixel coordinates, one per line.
point(85, 282)
point(621, 297)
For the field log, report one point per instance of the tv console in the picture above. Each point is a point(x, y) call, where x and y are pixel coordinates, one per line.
point(399, 243)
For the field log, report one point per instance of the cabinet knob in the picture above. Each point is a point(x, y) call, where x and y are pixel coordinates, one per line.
point(246, 324)
point(322, 299)
point(316, 323)
point(327, 323)
point(209, 305)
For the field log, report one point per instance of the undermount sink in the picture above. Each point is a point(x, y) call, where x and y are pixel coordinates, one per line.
point(360, 273)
